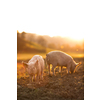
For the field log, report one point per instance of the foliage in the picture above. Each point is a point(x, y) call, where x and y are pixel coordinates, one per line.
point(42, 41)
point(33, 43)
point(27, 46)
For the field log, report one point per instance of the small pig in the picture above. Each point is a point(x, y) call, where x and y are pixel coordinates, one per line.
point(35, 66)
point(58, 58)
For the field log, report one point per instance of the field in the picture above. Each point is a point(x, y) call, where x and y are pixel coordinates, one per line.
point(27, 56)
point(59, 87)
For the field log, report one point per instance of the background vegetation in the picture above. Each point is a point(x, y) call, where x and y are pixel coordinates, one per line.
point(29, 44)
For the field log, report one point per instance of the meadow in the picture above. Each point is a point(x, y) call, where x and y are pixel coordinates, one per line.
point(58, 87)
point(27, 56)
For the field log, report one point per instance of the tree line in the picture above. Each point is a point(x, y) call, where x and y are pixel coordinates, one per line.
point(59, 43)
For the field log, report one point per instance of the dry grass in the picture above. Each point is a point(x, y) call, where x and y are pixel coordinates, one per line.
point(26, 56)
point(59, 87)
point(20, 71)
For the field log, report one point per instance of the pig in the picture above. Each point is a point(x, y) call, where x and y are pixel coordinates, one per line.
point(59, 58)
point(35, 66)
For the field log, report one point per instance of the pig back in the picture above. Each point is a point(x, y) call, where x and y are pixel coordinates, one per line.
point(40, 65)
point(58, 58)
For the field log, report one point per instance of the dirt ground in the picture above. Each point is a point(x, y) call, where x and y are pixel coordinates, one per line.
point(59, 87)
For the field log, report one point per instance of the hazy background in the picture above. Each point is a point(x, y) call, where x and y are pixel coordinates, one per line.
point(41, 44)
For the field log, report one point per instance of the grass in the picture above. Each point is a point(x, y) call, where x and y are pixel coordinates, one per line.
point(76, 55)
point(20, 70)
point(60, 87)
point(25, 56)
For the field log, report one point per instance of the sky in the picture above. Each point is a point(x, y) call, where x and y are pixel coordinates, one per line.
point(53, 18)
point(66, 18)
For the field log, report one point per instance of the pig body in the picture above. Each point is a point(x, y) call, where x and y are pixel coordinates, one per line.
point(35, 66)
point(58, 58)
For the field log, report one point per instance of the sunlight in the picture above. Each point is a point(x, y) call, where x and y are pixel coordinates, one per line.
point(73, 36)
point(76, 37)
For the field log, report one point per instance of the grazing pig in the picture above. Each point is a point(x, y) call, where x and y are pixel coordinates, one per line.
point(35, 66)
point(58, 58)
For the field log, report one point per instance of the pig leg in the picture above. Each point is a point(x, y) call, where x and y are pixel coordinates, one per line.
point(42, 72)
point(68, 67)
point(37, 77)
point(41, 75)
point(53, 67)
point(61, 69)
point(49, 68)
point(33, 77)
point(30, 79)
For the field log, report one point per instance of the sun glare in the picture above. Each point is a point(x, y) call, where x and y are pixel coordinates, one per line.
point(73, 36)
point(76, 37)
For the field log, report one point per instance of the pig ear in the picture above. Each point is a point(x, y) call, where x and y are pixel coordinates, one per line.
point(25, 64)
point(36, 61)
point(46, 54)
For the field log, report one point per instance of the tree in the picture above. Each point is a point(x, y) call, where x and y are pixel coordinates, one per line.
point(23, 35)
point(52, 45)
point(30, 37)
point(42, 41)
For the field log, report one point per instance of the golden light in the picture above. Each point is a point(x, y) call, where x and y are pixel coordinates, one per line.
point(72, 36)
point(76, 37)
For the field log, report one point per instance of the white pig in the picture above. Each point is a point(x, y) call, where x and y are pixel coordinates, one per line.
point(58, 58)
point(35, 66)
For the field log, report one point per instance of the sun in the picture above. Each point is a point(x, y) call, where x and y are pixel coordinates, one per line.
point(73, 36)
point(77, 37)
